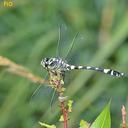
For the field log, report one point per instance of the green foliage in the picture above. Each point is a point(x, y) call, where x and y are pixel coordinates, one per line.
point(83, 124)
point(46, 125)
point(103, 120)
point(70, 103)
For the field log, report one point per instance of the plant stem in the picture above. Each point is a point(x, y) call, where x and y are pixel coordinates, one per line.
point(65, 114)
point(56, 79)
point(124, 124)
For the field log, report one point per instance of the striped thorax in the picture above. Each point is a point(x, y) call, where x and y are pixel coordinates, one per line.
point(54, 64)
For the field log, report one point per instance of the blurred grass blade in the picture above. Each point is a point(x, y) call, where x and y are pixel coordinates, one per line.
point(14, 68)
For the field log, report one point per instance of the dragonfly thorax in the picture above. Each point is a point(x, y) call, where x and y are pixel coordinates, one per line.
point(54, 64)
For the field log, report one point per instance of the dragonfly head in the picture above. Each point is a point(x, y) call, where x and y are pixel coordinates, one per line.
point(49, 63)
point(45, 62)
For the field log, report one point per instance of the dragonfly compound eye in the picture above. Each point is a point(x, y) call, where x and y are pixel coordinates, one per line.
point(45, 62)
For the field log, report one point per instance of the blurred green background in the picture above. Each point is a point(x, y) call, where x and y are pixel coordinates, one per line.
point(29, 32)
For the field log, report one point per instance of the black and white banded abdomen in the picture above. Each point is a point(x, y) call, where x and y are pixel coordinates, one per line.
point(106, 71)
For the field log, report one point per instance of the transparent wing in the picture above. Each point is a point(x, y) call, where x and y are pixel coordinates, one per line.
point(37, 89)
point(53, 99)
point(40, 91)
point(67, 41)
point(71, 46)
point(62, 38)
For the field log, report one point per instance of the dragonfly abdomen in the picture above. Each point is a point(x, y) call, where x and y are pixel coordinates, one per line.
point(106, 71)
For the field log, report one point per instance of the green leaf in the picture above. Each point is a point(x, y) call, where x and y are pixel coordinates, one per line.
point(70, 102)
point(104, 119)
point(46, 125)
point(61, 118)
point(84, 124)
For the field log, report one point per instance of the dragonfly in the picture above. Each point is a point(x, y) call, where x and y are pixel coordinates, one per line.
point(58, 66)
point(55, 65)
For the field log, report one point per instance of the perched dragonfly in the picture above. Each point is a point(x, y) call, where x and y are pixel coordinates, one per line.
point(54, 64)
point(58, 65)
